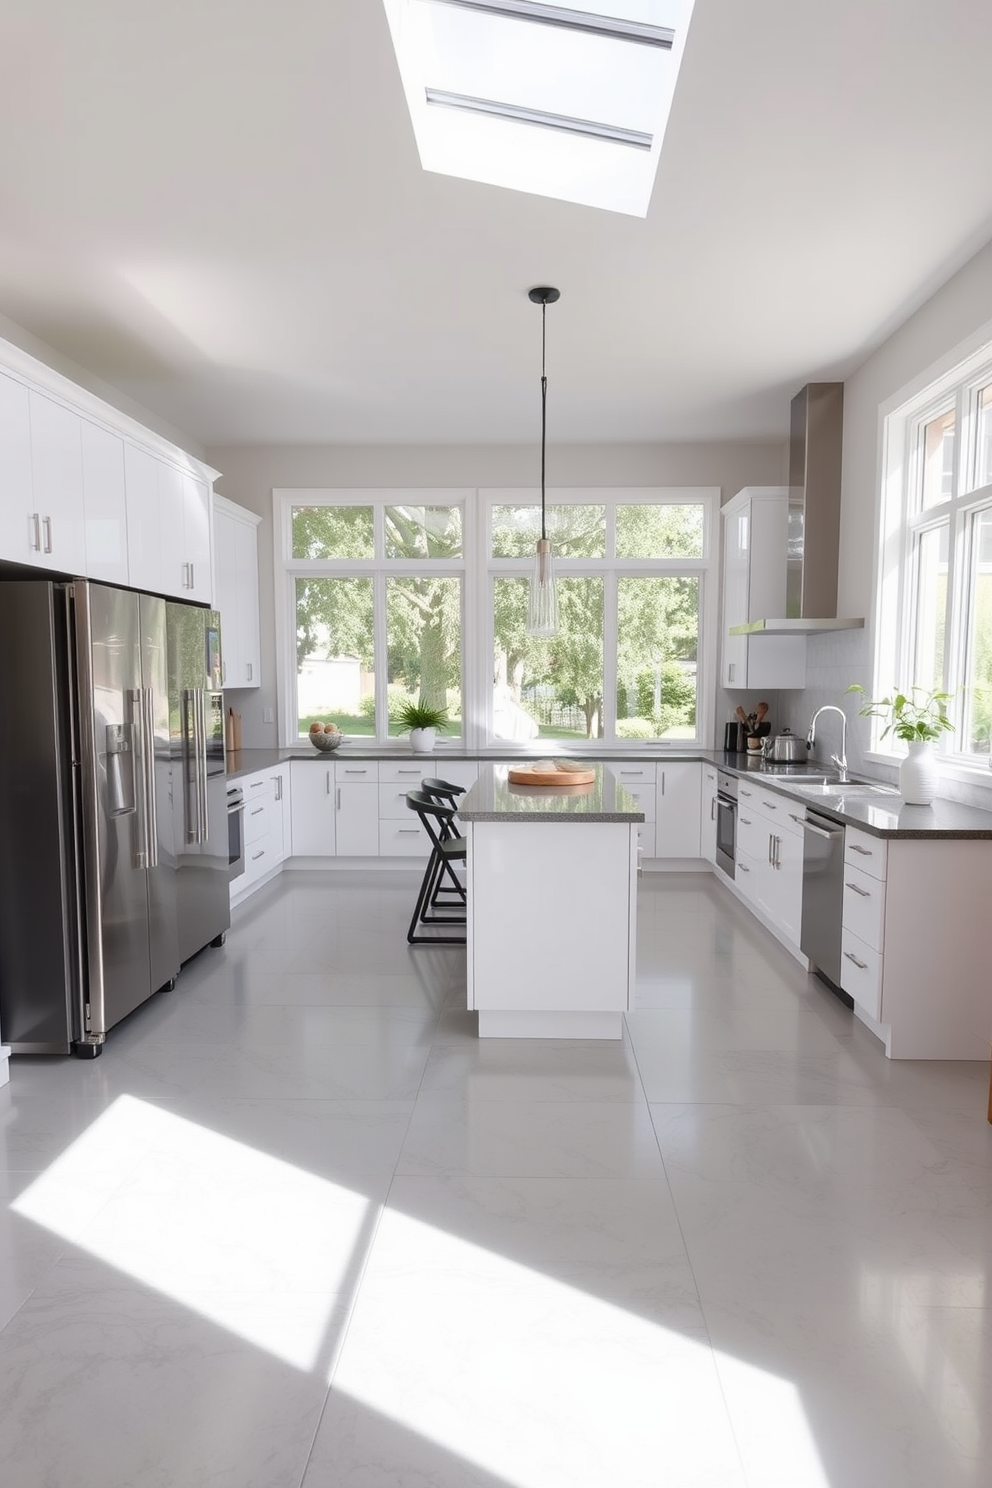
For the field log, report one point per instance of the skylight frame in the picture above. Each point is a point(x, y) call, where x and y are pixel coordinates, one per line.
point(614, 134)
point(613, 28)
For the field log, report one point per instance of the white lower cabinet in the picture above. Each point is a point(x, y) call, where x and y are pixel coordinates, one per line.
point(314, 809)
point(265, 819)
point(356, 803)
point(707, 813)
point(770, 860)
point(677, 794)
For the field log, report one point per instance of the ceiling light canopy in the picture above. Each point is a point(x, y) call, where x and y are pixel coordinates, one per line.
point(569, 102)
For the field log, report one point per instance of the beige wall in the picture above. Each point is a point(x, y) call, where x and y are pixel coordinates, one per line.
point(250, 473)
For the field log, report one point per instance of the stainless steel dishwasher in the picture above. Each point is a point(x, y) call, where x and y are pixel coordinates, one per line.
point(823, 894)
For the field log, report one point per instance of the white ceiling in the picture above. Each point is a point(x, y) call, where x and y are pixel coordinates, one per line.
point(219, 209)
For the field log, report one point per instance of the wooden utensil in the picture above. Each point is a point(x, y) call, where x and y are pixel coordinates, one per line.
point(740, 715)
point(760, 711)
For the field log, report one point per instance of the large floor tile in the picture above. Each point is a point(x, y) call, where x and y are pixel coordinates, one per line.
point(876, 1395)
point(528, 1069)
point(531, 1139)
point(122, 1387)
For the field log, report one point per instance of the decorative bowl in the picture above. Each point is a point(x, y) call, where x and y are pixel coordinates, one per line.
point(326, 742)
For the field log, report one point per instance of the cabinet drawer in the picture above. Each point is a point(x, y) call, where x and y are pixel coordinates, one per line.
point(861, 973)
point(772, 807)
point(747, 877)
point(863, 851)
point(403, 839)
point(392, 802)
point(366, 771)
point(258, 860)
point(408, 773)
point(864, 906)
point(258, 819)
point(644, 795)
point(754, 835)
point(645, 839)
point(632, 775)
point(255, 786)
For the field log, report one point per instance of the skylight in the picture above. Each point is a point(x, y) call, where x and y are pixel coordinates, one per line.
point(566, 101)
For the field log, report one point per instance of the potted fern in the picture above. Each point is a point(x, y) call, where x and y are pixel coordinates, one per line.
point(918, 718)
point(423, 722)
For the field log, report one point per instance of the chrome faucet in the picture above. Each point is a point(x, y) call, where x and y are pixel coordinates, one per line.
point(840, 760)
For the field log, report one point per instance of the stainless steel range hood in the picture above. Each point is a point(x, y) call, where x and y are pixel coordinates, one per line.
point(814, 517)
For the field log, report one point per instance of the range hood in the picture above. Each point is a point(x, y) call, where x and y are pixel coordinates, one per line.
point(814, 517)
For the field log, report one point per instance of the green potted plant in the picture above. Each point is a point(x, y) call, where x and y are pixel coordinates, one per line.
point(918, 717)
point(423, 722)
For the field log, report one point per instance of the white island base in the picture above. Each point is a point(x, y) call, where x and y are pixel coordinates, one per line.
point(551, 927)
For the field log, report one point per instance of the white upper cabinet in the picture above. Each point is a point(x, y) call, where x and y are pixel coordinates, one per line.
point(168, 527)
point(755, 554)
point(85, 490)
point(17, 530)
point(236, 592)
point(104, 506)
point(57, 516)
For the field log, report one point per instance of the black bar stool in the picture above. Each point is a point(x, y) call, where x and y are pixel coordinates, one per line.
point(447, 848)
point(447, 794)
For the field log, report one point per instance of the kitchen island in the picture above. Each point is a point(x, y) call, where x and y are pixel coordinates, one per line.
point(552, 900)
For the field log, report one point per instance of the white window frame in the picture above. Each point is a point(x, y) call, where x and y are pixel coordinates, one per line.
point(379, 568)
point(477, 570)
point(957, 383)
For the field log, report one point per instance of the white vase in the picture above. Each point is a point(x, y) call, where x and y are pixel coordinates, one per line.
point(422, 740)
point(918, 774)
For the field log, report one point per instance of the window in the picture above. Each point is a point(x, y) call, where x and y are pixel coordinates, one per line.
point(628, 661)
point(935, 613)
point(384, 596)
point(374, 588)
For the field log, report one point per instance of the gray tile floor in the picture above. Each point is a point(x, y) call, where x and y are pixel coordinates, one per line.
point(298, 1226)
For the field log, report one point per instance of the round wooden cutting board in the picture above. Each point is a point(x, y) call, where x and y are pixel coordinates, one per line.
point(522, 776)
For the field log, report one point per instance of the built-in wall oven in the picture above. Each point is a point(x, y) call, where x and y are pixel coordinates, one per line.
point(726, 821)
point(236, 830)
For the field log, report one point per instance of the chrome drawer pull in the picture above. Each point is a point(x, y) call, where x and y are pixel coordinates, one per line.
point(747, 793)
point(745, 821)
point(863, 892)
point(861, 965)
point(865, 852)
point(255, 856)
point(258, 812)
point(743, 867)
point(408, 832)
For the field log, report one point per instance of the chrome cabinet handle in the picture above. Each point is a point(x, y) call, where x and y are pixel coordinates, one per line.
point(328, 782)
point(192, 576)
point(770, 806)
point(747, 793)
point(255, 856)
point(745, 821)
point(257, 812)
point(35, 538)
point(249, 672)
point(713, 809)
point(863, 892)
point(257, 785)
point(861, 965)
point(743, 867)
point(662, 782)
point(408, 832)
point(278, 787)
point(46, 523)
point(865, 852)
point(408, 772)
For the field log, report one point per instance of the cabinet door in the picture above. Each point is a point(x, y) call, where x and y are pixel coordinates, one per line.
point(173, 570)
point(144, 559)
point(226, 596)
point(707, 815)
point(104, 505)
point(357, 827)
point(280, 814)
point(313, 808)
point(733, 649)
point(20, 539)
point(57, 475)
point(246, 589)
point(785, 884)
point(677, 810)
point(196, 538)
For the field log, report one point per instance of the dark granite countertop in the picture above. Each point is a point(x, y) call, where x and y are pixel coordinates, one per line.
point(495, 798)
point(883, 816)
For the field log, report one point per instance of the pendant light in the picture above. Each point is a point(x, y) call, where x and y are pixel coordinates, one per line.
point(542, 612)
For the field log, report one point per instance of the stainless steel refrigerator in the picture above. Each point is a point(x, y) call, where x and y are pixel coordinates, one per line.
point(89, 880)
point(196, 726)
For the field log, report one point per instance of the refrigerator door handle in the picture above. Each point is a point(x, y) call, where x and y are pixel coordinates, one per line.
point(203, 823)
point(136, 728)
point(191, 764)
point(148, 756)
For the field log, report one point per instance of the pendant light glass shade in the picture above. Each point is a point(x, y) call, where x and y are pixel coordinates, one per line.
point(542, 611)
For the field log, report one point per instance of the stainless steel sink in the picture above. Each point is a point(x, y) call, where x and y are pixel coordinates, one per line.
point(840, 788)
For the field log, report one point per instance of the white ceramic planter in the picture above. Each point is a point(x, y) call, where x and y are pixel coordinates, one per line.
point(918, 774)
point(422, 740)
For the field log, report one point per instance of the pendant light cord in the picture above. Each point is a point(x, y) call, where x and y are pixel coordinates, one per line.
point(544, 407)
